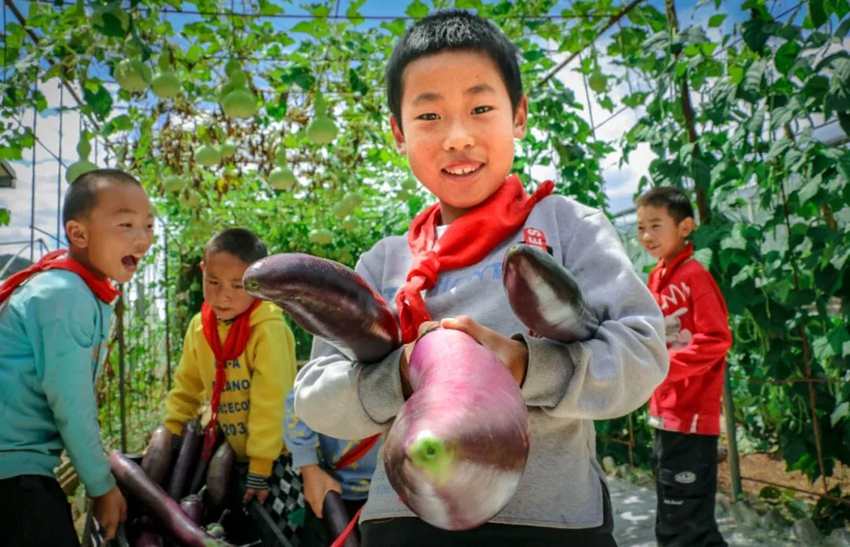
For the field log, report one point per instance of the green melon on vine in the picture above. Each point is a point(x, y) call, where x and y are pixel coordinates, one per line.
point(282, 178)
point(207, 155)
point(132, 75)
point(239, 103)
point(172, 183)
point(322, 236)
point(228, 149)
point(77, 169)
point(166, 85)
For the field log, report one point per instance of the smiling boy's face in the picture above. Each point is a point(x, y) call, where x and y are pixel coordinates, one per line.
point(660, 234)
point(116, 233)
point(459, 127)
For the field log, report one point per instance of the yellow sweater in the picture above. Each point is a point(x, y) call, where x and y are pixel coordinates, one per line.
point(251, 412)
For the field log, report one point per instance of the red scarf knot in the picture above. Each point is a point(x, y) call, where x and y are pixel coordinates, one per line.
point(466, 241)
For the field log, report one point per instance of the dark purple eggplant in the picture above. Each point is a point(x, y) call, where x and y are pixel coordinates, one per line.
point(157, 503)
point(148, 538)
point(193, 507)
point(157, 459)
point(329, 300)
point(219, 474)
point(458, 447)
point(336, 519)
point(545, 296)
point(187, 457)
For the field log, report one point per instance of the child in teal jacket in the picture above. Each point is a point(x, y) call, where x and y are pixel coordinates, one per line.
point(54, 329)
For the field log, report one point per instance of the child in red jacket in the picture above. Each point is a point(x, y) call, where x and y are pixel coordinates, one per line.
point(685, 408)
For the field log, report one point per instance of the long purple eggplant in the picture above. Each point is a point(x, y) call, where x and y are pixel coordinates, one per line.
point(329, 300)
point(336, 519)
point(219, 474)
point(545, 296)
point(458, 447)
point(187, 457)
point(158, 504)
point(157, 459)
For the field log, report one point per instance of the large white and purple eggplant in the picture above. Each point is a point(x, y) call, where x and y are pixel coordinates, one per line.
point(545, 296)
point(329, 300)
point(458, 447)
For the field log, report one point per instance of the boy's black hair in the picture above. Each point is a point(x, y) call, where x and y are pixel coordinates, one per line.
point(240, 242)
point(81, 197)
point(674, 199)
point(450, 30)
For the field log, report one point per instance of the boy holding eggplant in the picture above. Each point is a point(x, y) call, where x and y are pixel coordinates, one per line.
point(457, 105)
point(238, 356)
point(328, 465)
point(54, 332)
point(685, 409)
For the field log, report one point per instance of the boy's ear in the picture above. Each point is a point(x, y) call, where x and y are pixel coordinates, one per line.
point(521, 118)
point(201, 265)
point(687, 226)
point(77, 234)
point(398, 136)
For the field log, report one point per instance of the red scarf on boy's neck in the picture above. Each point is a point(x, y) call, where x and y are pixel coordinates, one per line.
point(466, 241)
point(56, 260)
point(234, 345)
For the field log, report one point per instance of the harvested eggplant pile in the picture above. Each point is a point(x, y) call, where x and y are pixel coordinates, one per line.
point(165, 509)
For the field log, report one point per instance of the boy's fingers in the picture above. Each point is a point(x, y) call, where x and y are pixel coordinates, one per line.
point(464, 323)
point(109, 529)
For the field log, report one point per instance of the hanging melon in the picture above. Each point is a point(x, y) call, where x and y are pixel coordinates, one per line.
point(207, 155)
point(132, 75)
point(282, 178)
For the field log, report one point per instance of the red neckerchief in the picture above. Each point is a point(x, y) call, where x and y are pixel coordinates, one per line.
point(234, 345)
point(56, 260)
point(656, 276)
point(466, 241)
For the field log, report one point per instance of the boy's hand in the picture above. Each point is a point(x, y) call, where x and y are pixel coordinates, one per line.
point(317, 484)
point(514, 353)
point(403, 361)
point(110, 510)
point(260, 493)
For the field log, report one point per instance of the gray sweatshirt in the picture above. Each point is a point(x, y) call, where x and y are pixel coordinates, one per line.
point(567, 386)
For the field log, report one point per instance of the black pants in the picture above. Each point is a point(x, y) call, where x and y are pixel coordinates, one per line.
point(414, 532)
point(34, 512)
point(685, 468)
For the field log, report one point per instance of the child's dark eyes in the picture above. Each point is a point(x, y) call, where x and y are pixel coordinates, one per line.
point(481, 109)
point(428, 116)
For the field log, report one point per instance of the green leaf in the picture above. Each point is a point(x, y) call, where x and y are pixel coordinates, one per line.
point(786, 56)
point(809, 190)
point(5, 217)
point(716, 20)
point(840, 412)
point(755, 34)
point(416, 9)
point(100, 101)
point(306, 27)
point(817, 13)
point(838, 338)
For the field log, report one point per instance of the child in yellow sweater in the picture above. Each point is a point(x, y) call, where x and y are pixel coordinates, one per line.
point(249, 345)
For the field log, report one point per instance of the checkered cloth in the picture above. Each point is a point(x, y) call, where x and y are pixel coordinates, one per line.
point(282, 514)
